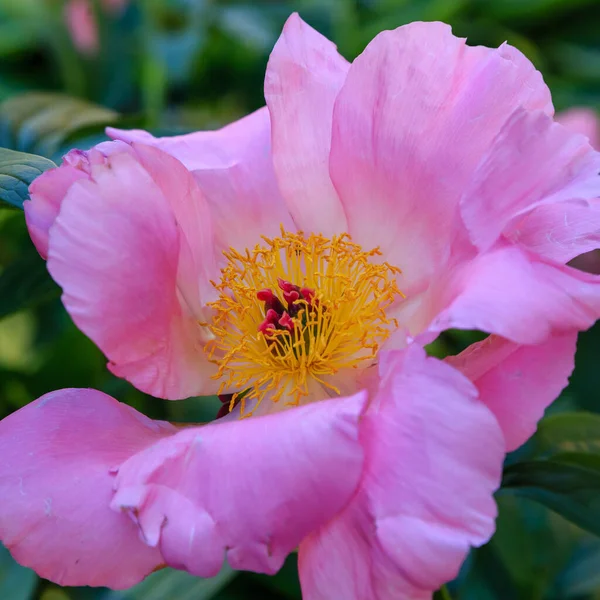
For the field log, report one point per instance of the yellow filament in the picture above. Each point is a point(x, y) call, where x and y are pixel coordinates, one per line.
point(342, 329)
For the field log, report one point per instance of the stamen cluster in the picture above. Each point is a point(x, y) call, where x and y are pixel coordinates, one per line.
point(298, 310)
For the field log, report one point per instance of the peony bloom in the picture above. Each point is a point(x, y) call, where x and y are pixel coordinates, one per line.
point(296, 262)
point(81, 22)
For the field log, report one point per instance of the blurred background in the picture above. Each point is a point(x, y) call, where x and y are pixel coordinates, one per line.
point(69, 68)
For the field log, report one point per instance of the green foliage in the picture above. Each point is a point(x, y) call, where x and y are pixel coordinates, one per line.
point(179, 585)
point(567, 432)
point(568, 484)
point(560, 468)
point(16, 582)
point(44, 122)
point(25, 283)
point(17, 171)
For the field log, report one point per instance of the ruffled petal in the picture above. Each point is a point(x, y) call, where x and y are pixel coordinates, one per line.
point(560, 231)
point(234, 169)
point(507, 292)
point(129, 270)
point(46, 195)
point(532, 162)
point(434, 458)
point(417, 111)
point(47, 191)
point(249, 490)
point(56, 487)
point(304, 75)
point(517, 383)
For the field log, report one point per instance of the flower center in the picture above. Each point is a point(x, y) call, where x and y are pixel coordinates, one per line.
point(298, 309)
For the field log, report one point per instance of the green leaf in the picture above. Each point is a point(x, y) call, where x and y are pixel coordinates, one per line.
point(40, 122)
point(568, 484)
point(565, 432)
point(582, 574)
point(533, 544)
point(16, 582)
point(25, 283)
point(17, 171)
point(484, 577)
point(442, 594)
point(285, 582)
point(168, 583)
point(530, 9)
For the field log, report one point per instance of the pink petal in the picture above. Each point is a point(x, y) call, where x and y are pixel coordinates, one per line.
point(234, 169)
point(565, 230)
point(506, 292)
point(127, 271)
point(560, 231)
point(249, 489)
point(197, 265)
point(205, 149)
point(46, 195)
point(417, 111)
point(584, 121)
point(533, 161)
point(516, 382)
point(49, 189)
point(304, 75)
point(433, 460)
point(56, 486)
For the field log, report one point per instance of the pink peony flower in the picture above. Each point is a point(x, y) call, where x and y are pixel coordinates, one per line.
point(81, 22)
point(298, 260)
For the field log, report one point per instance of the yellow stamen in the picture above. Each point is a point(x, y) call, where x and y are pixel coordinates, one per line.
point(341, 328)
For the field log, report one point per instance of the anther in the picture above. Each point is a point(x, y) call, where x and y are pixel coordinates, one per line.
point(298, 308)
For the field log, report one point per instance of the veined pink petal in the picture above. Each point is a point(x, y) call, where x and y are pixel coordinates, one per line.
point(434, 457)
point(517, 382)
point(234, 169)
point(304, 75)
point(532, 162)
point(56, 486)
point(249, 490)
point(128, 270)
point(417, 111)
point(560, 231)
point(584, 121)
point(508, 292)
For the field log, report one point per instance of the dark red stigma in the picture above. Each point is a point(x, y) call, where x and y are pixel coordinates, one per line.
point(271, 301)
point(278, 316)
point(226, 401)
